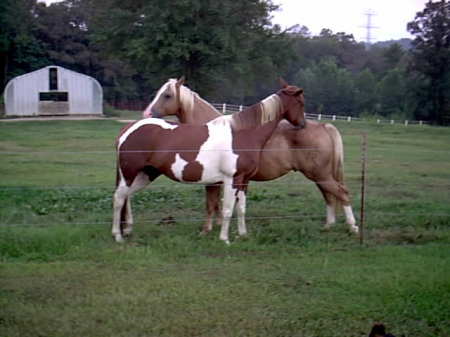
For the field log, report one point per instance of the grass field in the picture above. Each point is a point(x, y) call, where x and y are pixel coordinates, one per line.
point(62, 275)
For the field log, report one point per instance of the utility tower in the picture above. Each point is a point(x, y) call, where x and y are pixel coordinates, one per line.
point(369, 14)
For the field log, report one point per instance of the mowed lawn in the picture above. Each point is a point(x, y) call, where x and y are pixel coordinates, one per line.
point(61, 274)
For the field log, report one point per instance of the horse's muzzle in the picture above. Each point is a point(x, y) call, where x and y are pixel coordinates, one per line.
point(302, 124)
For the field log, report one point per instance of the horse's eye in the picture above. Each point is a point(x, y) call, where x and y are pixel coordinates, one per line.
point(167, 96)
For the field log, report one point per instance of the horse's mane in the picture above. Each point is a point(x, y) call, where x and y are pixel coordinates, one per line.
point(258, 114)
point(188, 97)
point(270, 108)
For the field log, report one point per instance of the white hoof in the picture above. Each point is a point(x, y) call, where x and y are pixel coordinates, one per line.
point(354, 229)
point(118, 238)
point(326, 229)
point(128, 231)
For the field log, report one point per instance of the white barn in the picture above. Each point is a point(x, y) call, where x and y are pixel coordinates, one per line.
point(53, 90)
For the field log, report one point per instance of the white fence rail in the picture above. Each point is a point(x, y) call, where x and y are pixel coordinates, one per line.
point(226, 108)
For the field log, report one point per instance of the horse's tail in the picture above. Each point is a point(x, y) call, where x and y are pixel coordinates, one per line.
point(337, 160)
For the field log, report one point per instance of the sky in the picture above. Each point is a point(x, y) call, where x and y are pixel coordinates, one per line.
point(390, 16)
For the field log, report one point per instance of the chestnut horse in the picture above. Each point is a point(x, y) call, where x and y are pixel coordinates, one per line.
point(216, 152)
point(316, 151)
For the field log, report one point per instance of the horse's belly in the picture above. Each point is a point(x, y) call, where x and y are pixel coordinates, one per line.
point(269, 170)
point(276, 159)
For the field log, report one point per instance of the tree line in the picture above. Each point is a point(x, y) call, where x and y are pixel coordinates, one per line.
point(230, 51)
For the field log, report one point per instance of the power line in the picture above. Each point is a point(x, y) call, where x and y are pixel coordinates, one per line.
point(369, 26)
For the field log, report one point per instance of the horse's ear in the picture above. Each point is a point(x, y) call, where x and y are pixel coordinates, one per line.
point(180, 82)
point(283, 83)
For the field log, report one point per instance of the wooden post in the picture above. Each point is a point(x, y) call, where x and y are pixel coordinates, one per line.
point(224, 108)
point(363, 186)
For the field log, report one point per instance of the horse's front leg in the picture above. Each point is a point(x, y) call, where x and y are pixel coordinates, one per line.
point(229, 199)
point(212, 206)
point(241, 206)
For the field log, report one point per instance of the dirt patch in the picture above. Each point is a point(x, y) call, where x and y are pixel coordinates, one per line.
point(403, 236)
point(53, 118)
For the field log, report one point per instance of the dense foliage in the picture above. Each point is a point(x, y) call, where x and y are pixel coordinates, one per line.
point(230, 51)
point(431, 59)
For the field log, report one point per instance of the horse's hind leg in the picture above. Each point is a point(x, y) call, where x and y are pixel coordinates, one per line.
point(330, 202)
point(333, 193)
point(350, 218)
point(122, 198)
point(119, 200)
point(127, 221)
point(212, 206)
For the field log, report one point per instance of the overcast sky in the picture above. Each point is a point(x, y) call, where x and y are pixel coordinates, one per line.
point(390, 16)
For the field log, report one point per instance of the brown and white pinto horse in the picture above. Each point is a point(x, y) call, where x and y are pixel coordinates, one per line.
point(316, 151)
point(206, 154)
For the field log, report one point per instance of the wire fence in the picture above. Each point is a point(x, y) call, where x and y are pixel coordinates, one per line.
point(284, 183)
point(261, 193)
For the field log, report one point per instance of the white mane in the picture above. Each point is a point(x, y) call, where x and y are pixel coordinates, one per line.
point(188, 96)
point(270, 108)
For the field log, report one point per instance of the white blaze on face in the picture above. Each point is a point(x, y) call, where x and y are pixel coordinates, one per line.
point(148, 110)
point(149, 121)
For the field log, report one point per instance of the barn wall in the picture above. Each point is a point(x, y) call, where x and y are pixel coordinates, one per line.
point(85, 95)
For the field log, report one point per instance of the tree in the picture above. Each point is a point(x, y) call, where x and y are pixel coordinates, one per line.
point(329, 89)
point(431, 60)
point(365, 92)
point(205, 40)
point(20, 51)
point(64, 29)
point(393, 94)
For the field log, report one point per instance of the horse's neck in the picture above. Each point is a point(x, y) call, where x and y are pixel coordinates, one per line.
point(201, 112)
point(255, 119)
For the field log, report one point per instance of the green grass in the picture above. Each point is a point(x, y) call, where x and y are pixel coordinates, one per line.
point(62, 275)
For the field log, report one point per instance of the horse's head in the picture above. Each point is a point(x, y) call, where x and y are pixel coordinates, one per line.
point(167, 100)
point(293, 104)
